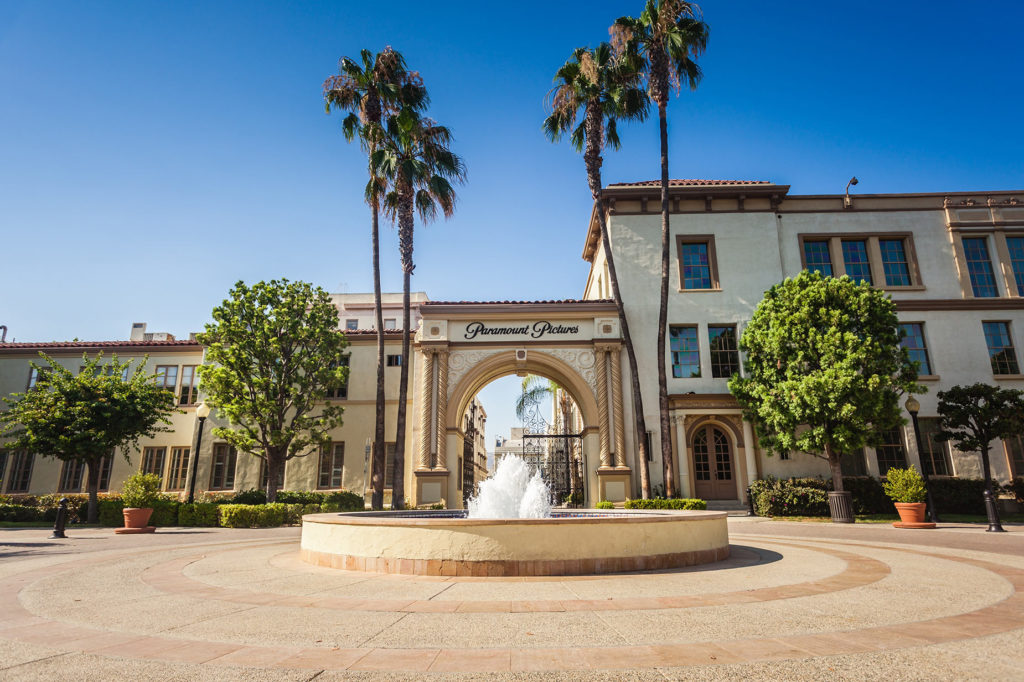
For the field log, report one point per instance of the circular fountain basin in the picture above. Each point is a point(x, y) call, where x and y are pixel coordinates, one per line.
point(445, 543)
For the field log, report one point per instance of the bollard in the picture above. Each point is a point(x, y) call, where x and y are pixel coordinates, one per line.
point(750, 503)
point(62, 519)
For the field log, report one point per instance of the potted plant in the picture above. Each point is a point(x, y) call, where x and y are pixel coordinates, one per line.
point(139, 494)
point(906, 488)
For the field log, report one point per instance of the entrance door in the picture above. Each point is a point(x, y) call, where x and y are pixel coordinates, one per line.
point(713, 465)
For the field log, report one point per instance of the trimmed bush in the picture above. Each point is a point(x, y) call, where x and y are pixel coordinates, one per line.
point(792, 500)
point(110, 512)
point(20, 513)
point(958, 495)
point(604, 504)
point(671, 503)
point(141, 491)
point(346, 501)
point(251, 496)
point(260, 515)
point(198, 514)
point(300, 497)
point(165, 512)
point(905, 485)
point(867, 493)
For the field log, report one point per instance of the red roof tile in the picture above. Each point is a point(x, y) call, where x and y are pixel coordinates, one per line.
point(95, 344)
point(692, 182)
point(566, 300)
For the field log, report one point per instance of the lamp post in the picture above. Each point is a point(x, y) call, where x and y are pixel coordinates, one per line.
point(202, 412)
point(913, 407)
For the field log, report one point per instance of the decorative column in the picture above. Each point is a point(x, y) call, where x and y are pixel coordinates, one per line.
point(442, 408)
point(749, 444)
point(619, 418)
point(602, 403)
point(426, 408)
point(684, 455)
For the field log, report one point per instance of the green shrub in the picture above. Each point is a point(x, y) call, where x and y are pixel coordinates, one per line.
point(904, 485)
point(251, 496)
point(671, 503)
point(198, 514)
point(792, 500)
point(110, 511)
point(165, 512)
point(260, 515)
point(141, 490)
point(20, 513)
point(868, 495)
point(346, 501)
point(958, 495)
point(604, 504)
point(299, 497)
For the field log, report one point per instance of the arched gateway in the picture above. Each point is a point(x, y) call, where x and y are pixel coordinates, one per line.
point(463, 346)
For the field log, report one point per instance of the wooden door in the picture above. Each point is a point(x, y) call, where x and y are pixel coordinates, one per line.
point(713, 466)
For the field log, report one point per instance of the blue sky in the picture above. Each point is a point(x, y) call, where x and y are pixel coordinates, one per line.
point(151, 154)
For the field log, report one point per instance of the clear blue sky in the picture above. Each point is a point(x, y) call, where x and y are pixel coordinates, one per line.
point(151, 154)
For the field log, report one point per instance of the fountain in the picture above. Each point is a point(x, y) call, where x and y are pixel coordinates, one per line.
point(511, 530)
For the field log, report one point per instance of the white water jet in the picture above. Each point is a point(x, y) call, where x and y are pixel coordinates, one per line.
point(512, 493)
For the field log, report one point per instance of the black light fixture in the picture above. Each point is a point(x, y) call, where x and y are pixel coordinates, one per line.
point(202, 412)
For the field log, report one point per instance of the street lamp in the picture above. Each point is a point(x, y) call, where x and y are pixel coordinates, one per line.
point(913, 407)
point(202, 412)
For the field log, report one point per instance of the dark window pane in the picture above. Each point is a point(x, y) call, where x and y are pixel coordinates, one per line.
point(913, 341)
point(855, 258)
point(935, 455)
point(891, 452)
point(894, 262)
point(1016, 248)
point(1000, 348)
point(979, 267)
point(685, 352)
point(852, 463)
point(725, 357)
point(696, 266)
point(21, 472)
point(817, 257)
point(71, 476)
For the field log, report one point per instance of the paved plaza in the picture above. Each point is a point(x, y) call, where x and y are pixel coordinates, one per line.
point(794, 601)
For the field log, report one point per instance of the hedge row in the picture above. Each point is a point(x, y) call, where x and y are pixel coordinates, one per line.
point(670, 503)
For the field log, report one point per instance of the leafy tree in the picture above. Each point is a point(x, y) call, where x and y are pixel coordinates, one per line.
point(604, 88)
point(824, 367)
point(374, 87)
point(972, 417)
point(667, 37)
point(83, 417)
point(415, 159)
point(273, 352)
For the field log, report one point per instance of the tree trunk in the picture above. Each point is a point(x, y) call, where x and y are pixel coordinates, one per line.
point(93, 467)
point(405, 244)
point(664, 421)
point(378, 463)
point(274, 464)
point(836, 467)
point(991, 508)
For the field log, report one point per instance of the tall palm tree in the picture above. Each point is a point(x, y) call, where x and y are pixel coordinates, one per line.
point(369, 89)
point(604, 87)
point(667, 37)
point(415, 158)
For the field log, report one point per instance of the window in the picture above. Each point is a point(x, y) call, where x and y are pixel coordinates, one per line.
point(890, 452)
point(222, 474)
point(685, 352)
point(389, 465)
point(332, 465)
point(853, 464)
point(1000, 348)
point(979, 267)
point(21, 472)
point(391, 323)
point(167, 377)
point(1015, 455)
point(855, 260)
point(153, 461)
point(394, 361)
point(817, 257)
point(697, 263)
point(725, 357)
point(105, 466)
point(339, 392)
point(913, 341)
point(33, 378)
point(351, 325)
point(3, 465)
point(177, 476)
point(894, 262)
point(935, 458)
point(71, 476)
point(189, 386)
point(647, 442)
point(1015, 245)
point(265, 478)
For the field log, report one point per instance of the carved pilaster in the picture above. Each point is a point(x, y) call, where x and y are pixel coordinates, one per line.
point(426, 408)
point(442, 402)
point(620, 430)
point(602, 404)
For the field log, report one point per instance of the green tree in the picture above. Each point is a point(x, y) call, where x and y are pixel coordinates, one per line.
point(667, 37)
point(415, 159)
point(824, 368)
point(83, 417)
point(972, 417)
point(604, 89)
point(273, 352)
point(369, 89)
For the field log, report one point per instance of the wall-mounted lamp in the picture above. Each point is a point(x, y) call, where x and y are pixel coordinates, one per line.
point(847, 202)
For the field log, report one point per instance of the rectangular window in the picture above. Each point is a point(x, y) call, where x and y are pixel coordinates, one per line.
point(1000, 348)
point(855, 260)
point(894, 262)
point(153, 461)
point(33, 379)
point(389, 465)
point(725, 356)
point(105, 466)
point(695, 261)
point(265, 478)
point(890, 452)
point(222, 474)
point(71, 476)
point(351, 325)
point(817, 257)
point(853, 464)
point(1015, 455)
point(177, 476)
point(167, 377)
point(979, 267)
point(391, 323)
point(339, 392)
point(685, 352)
point(935, 458)
point(394, 361)
point(21, 472)
point(1015, 245)
point(913, 341)
point(189, 386)
point(332, 465)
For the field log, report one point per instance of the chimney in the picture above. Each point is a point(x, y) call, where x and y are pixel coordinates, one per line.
point(138, 331)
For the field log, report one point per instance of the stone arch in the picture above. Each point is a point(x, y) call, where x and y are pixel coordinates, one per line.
point(730, 429)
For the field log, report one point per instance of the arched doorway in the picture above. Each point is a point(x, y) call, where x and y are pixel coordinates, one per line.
point(714, 466)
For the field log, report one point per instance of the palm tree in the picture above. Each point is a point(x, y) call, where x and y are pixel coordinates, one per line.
point(667, 37)
point(415, 160)
point(605, 88)
point(377, 86)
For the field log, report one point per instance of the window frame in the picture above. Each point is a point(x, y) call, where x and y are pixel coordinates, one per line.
point(161, 379)
point(925, 425)
point(930, 375)
point(1012, 347)
point(147, 453)
point(985, 238)
point(340, 392)
point(874, 254)
point(735, 350)
point(890, 461)
point(709, 241)
point(77, 472)
point(332, 453)
point(192, 388)
point(393, 360)
point(177, 466)
point(351, 324)
point(1016, 470)
point(696, 340)
point(231, 457)
point(18, 459)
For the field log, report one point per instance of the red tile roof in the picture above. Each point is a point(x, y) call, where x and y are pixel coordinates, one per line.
point(692, 182)
point(566, 300)
point(94, 344)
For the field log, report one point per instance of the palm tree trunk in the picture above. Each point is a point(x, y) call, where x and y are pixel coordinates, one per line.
point(405, 244)
point(666, 427)
point(92, 486)
point(378, 462)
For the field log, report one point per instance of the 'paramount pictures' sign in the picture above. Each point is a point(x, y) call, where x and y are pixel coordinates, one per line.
point(517, 330)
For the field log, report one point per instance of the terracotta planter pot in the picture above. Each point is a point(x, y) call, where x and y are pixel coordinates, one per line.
point(910, 512)
point(137, 517)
